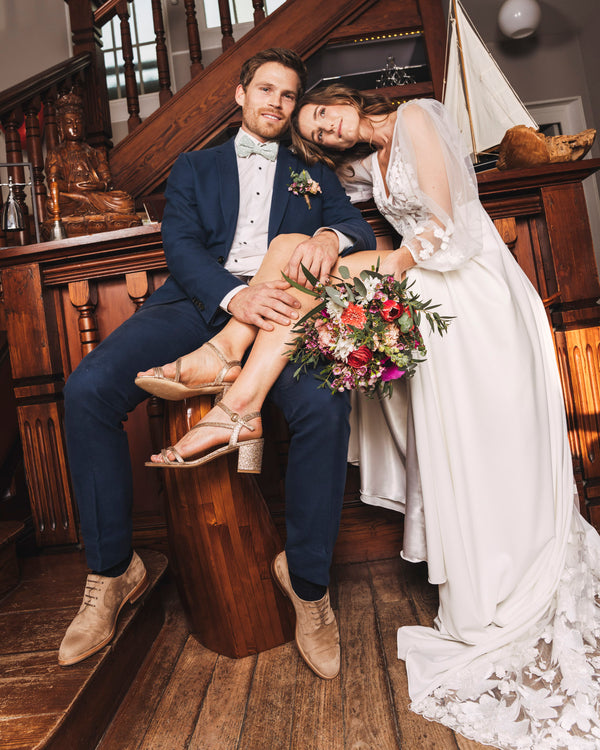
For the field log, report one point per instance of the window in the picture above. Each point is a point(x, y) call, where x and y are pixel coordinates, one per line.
point(241, 11)
point(143, 40)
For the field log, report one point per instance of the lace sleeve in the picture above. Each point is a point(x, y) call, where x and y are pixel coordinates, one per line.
point(446, 231)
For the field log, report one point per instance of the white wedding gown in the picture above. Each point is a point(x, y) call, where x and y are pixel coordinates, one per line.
point(513, 659)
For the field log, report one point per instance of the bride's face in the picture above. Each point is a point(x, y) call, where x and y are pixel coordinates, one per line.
point(331, 125)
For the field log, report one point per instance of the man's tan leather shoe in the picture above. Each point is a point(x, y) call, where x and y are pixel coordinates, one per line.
point(95, 623)
point(317, 635)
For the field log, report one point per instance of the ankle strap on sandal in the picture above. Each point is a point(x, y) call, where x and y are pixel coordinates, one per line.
point(237, 418)
point(227, 364)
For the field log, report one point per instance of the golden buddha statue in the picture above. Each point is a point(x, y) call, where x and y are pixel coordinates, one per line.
point(87, 201)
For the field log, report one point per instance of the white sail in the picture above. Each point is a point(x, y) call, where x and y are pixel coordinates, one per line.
point(493, 104)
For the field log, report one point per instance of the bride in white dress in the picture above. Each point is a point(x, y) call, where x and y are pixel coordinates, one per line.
point(513, 659)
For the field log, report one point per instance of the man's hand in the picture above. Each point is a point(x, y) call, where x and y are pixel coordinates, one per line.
point(317, 254)
point(261, 303)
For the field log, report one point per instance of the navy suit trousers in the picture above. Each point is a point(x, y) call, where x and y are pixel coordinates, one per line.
point(100, 393)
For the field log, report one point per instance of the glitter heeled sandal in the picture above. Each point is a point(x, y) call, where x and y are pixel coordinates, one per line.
point(249, 451)
point(172, 389)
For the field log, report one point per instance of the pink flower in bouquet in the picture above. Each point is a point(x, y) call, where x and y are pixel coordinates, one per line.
point(354, 315)
point(360, 357)
point(391, 373)
point(391, 335)
point(326, 337)
point(391, 310)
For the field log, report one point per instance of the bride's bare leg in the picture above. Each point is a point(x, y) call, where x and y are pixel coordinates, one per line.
point(264, 365)
point(202, 365)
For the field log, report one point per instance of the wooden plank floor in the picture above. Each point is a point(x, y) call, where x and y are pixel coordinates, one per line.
point(186, 697)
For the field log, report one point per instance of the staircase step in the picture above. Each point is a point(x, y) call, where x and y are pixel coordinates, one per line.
point(9, 566)
point(51, 707)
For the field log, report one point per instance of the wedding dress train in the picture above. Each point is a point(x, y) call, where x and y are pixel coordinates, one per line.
point(513, 659)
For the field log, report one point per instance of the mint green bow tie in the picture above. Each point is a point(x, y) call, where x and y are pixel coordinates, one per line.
point(245, 146)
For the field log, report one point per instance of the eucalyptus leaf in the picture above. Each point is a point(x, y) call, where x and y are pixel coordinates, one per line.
point(300, 287)
point(360, 287)
point(350, 293)
point(335, 296)
point(344, 272)
point(312, 279)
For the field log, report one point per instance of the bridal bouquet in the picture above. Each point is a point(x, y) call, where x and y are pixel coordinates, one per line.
point(364, 331)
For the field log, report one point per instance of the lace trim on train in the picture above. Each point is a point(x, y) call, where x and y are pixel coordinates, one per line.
point(540, 693)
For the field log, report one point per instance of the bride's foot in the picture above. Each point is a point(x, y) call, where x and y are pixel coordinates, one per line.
point(221, 431)
point(209, 369)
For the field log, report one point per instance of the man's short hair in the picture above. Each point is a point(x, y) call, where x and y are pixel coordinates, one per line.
point(285, 57)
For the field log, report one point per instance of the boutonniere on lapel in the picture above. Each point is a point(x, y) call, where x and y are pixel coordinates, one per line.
point(303, 184)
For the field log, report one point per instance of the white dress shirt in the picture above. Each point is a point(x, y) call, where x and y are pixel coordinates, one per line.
point(250, 241)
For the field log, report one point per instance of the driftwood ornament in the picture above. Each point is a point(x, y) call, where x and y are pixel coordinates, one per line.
point(525, 147)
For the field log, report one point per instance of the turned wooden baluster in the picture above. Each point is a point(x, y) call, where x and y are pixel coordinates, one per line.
point(50, 126)
point(11, 122)
point(84, 298)
point(2, 235)
point(34, 152)
point(131, 91)
point(259, 11)
point(138, 289)
point(193, 38)
point(226, 27)
point(87, 37)
point(162, 58)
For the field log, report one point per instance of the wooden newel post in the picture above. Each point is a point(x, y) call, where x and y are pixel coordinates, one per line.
point(222, 540)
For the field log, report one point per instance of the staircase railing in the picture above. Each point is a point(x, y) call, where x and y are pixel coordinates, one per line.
point(111, 8)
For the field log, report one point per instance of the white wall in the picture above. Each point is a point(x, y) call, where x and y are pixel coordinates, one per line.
point(34, 35)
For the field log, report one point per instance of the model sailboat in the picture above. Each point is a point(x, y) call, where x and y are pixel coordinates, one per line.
point(476, 92)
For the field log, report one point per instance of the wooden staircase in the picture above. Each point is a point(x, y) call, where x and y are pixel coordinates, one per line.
point(194, 116)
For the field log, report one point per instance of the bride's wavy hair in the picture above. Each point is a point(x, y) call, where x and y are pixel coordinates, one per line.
point(365, 104)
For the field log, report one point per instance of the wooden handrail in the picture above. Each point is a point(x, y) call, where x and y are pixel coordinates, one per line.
point(54, 76)
point(106, 11)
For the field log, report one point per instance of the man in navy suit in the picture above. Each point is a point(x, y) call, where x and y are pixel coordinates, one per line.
point(224, 205)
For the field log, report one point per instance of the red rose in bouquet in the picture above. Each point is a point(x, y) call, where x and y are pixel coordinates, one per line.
point(362, 356)
point(391, 310)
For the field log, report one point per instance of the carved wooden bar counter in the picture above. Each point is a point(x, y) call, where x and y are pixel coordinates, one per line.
point(541, 215)
point(62, 298)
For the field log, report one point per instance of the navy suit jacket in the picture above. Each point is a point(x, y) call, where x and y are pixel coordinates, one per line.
point(201, 213)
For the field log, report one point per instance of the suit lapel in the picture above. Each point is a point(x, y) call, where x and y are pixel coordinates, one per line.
point(281, 194)
point(229, 188)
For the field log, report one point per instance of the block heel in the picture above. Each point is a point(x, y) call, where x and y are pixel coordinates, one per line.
point(250, 455)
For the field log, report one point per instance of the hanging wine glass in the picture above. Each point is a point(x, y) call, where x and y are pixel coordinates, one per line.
point(11, 218)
